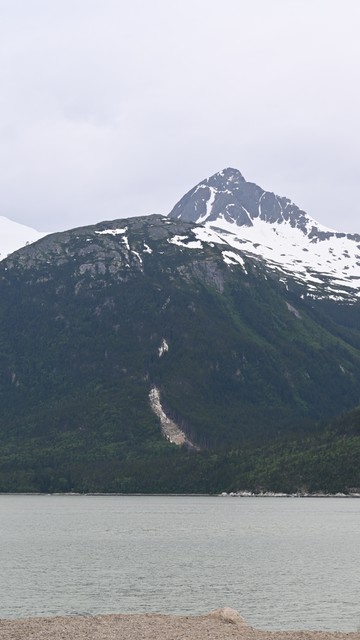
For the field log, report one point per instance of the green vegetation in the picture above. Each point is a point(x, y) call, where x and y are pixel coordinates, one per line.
point(253, 383)
point(327, 461)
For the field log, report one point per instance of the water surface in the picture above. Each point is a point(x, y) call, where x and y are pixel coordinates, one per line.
point(283, 563)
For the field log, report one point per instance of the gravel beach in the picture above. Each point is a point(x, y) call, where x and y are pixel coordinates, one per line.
point(224, 624)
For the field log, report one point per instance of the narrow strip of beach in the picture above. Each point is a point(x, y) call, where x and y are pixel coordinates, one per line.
point(224, 624)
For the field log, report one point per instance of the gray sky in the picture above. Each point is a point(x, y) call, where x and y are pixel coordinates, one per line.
point(115, 108)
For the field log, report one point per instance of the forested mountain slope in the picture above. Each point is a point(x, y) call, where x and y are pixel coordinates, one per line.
point(93, 319)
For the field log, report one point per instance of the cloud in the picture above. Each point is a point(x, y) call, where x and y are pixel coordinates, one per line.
point(111, 108)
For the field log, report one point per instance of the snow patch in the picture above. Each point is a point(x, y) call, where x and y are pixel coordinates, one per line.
point(209, 204)
point(207, 234)
point(190, 244)
point(14, 236)
point(164, 347)
point(116, 232)
point(333, 260)
point(111, 232)
point(232, 258)
point(126, 242)
point(137, 255)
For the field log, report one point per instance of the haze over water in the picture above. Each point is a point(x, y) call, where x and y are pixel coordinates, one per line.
point(283, 563)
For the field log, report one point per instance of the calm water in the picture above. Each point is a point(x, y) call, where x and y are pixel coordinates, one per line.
point(281, 562)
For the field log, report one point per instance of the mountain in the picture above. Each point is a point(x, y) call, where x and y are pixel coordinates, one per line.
point(259, 223)
point(123, 340)
point(13, 236)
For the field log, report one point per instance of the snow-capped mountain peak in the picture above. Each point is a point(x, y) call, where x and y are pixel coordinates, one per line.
point(13, 236)
point(261, 223)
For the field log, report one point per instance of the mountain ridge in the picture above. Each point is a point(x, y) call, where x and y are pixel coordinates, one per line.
point(152, 354)
point(263, 224)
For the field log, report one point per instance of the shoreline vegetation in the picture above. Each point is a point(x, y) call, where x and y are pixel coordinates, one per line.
point(223, 624)
point(224, 494)
point(298, 494)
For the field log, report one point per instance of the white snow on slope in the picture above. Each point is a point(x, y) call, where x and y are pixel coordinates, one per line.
point(276, 231)
point(164, 347)
point(116, 232)
point(13, 236)
point(209, 204)
point(207, 234)
point(289, 249)
point(330, 267)
point(137, 255)
point(111, 232)
point(230, 257)
point(190, 244)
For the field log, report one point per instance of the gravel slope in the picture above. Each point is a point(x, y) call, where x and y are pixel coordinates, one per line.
point(224, 624)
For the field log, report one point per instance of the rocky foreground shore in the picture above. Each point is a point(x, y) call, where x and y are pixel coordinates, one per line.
point(224, 624)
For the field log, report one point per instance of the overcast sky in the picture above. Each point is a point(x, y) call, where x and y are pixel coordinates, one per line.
point(115, 108)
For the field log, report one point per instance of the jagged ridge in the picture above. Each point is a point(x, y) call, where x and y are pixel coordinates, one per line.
point(260, 223)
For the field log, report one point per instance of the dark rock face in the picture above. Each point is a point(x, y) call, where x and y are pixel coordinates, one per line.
point(227, 195)
point(98, 254)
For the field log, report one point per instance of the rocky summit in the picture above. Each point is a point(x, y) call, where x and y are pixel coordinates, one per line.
point(170, 354)
point(260, 223)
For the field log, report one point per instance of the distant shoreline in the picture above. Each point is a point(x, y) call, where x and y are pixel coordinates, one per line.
point(238, 494)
